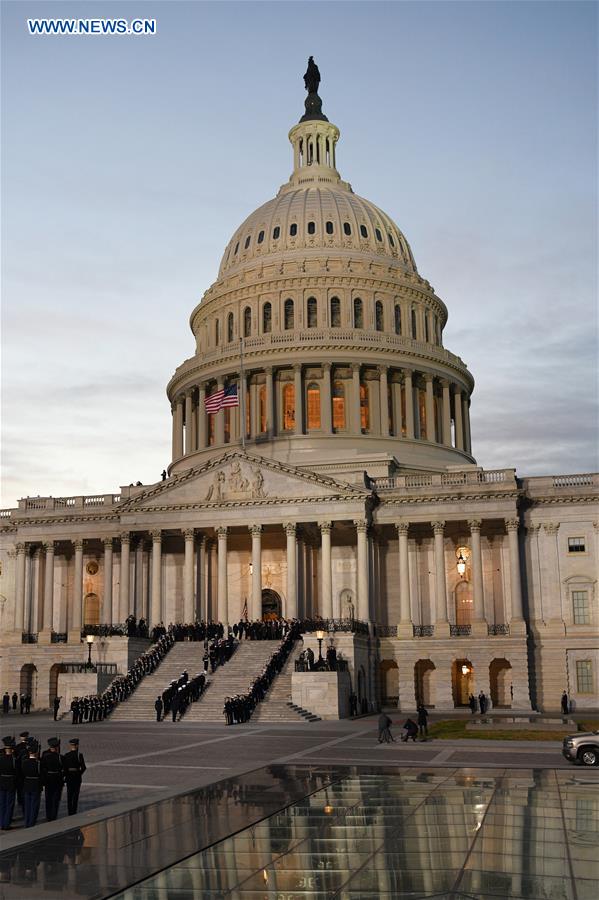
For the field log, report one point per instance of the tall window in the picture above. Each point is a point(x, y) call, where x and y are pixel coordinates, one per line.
point(397, 318)
point(266, 318)
point(247, 322)
point(346, 228)
point(91, 609)
point(404, 427)
point(378, 316)
point(364, 408)
point(580, 608)
point(261, 408)
point(422, 413)
point(463, 603)
point(358, 313)
point(335, 312)
point(413, 317)
point(217, 332)
point(230, 327)
point(293, 229)
point(311, 227)
point(329, 228)
point(338, 406)
point(247, 242)
point(426, 332)
point(288, 407)
point(288, 314)
point(584, 676)
point(276, 232)
point(435, 329)
point(227, 421)
point(312, 312)
point(313, 406)
point(211, 430)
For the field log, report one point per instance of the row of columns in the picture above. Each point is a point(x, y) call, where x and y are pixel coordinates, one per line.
point(441, 615)
point(189, 418)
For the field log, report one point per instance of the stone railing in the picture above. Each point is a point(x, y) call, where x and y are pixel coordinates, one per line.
point(6, 513)
point(51, 504)
point(567, 481)
point(340, 666)
point(104, 630)
point(28, 637)
point(502, 477)
point(498, 629)
point(350, 625)
point(385, 630)
point(59, 637)
point(423, 630)
point(80, 668)
point(547, 485)
point(460, 630)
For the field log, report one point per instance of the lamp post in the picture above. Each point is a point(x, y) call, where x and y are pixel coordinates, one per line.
point(320, 637)
point(90, 642)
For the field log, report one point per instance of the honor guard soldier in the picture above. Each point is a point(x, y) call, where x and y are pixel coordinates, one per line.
point(21, 752)
point(53, 778)
point(31, 774)
point(73, 766)
point(8, 783)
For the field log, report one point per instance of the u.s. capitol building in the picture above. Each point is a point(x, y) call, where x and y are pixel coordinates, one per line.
point(343, 485)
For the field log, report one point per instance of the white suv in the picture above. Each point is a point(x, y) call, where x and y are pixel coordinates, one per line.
point(582, 748)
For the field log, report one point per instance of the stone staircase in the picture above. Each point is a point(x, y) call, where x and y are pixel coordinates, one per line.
point(233, 678)
point(277, 705)
point(185, 655)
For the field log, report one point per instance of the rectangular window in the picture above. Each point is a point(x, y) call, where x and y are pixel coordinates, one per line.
point(584, 676)
point(576, 545)
point(581, 608)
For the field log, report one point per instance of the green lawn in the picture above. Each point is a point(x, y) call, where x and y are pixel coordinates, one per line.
point(456, 728)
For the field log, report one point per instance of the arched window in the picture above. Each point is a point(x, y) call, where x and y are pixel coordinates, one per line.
point(230, 327)
point(288, 407)
point(217, 332)
point(329, 228)
point(266, 318)
point(391, 241)
point(288, 314)
point(346, 228)
point(335, 312)
point(293, 229)
point(358, 313)
point(338, 406)
point(378, 316)
point(379, 236)
point(363, 231)
point(247, 242)
point(247, 321)
point(311, 227)
point(364, 408)
point(312, 312)
point(276, 233)
point(413, 317)
point(313, 406)
point(260, 237)
point(236, 249)
point(426, 332)
point(397, 318)
point(261, 408)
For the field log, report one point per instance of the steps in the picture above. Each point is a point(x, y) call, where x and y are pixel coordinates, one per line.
point(185, 655)
point(233, 678)
point(277, 705)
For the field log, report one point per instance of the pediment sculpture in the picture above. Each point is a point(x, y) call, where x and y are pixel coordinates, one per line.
point(232, 484)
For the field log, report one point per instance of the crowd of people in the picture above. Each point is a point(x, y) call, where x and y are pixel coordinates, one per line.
point(10, 702)
point(410, 729)
point(184, 690)
point(25, 775)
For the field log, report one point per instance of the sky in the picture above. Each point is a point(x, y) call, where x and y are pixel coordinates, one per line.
point(129, 161)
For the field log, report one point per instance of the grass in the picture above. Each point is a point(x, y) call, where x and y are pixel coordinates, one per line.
point(456, 728)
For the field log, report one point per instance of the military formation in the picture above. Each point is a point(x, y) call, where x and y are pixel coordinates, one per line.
point(10, 703)
point(25, 776)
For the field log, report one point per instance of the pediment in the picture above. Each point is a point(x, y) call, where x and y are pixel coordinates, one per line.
point(241, 478)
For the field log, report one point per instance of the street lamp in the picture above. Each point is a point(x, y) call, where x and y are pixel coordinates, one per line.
point(90, 641)
point(320, 635)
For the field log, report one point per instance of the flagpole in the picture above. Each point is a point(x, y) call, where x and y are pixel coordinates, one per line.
point(242, 392)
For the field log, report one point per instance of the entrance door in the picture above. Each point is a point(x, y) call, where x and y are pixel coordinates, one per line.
point(271, 605)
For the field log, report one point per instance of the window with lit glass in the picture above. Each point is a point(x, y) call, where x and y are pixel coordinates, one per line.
point(378, 316)
point(262, 408)
point(288, 314)
point(364, 408)
point(266, 318)
point(338, 406)
point(576, 545)
point(397, 319)
point(422, 413)
point(288, 407)
point(247, 322)
point(358, 313)
point(581, 608)
point(584, 676)
point(335, 312)
point(230, 327)
point(313, 406)
point(463, 603)
point(312, 312)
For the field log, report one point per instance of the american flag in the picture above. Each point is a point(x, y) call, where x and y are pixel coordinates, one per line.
point(219, 399)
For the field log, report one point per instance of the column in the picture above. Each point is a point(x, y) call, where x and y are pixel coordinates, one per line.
point(405, 606)
point(124, 584)
point(222, 592)
point(188, 422)
point(301, 577)
point(409, 392)
point(256, 600)
point(194, 424)
point(47, 613)
point(326, 419)
point(77, 588)
point(106, 614)
point(37, 597)
point(384, 400)
point(291, 570)
point(326, 582)
point(356, 419)
point(299, 399)
point(458, 422)
point(156, 600)
point(138, 581)
point(517, 618)
point(178, 429)
point(441, 620)
point(478, 621)
point(362, 552)
point(466, 416)
point(219, 418)
point(20, 588)
point(254, 410)
point(430, 407)
point(200, 610)
point(397, 419)
point(270, 424)
point(188, 604)
point(446, 413)
point(201, 413)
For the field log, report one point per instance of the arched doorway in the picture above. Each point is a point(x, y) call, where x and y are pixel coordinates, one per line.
point(462, 681)
point(424, 682)
point(54, 673)
point(500, 678)
point(28, 682)
point(389, 682)
point(91, 609)
point(463, 603)
point(271, 605)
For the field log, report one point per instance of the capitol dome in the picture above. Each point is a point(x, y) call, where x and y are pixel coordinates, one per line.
point(320, 327)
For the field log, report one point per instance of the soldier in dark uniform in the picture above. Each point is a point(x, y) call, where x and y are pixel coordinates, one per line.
point(53, 778)
point(31, 773)
point(8, 783)
point(73, 766)
point(21, 753)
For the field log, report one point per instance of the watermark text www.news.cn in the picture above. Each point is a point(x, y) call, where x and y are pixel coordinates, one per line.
point(105, 27)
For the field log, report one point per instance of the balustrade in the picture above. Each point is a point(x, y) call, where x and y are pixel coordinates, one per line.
point(460, 630)
point(58, 637)
point(29, 638)
point(423, 630)
point(498, 629)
